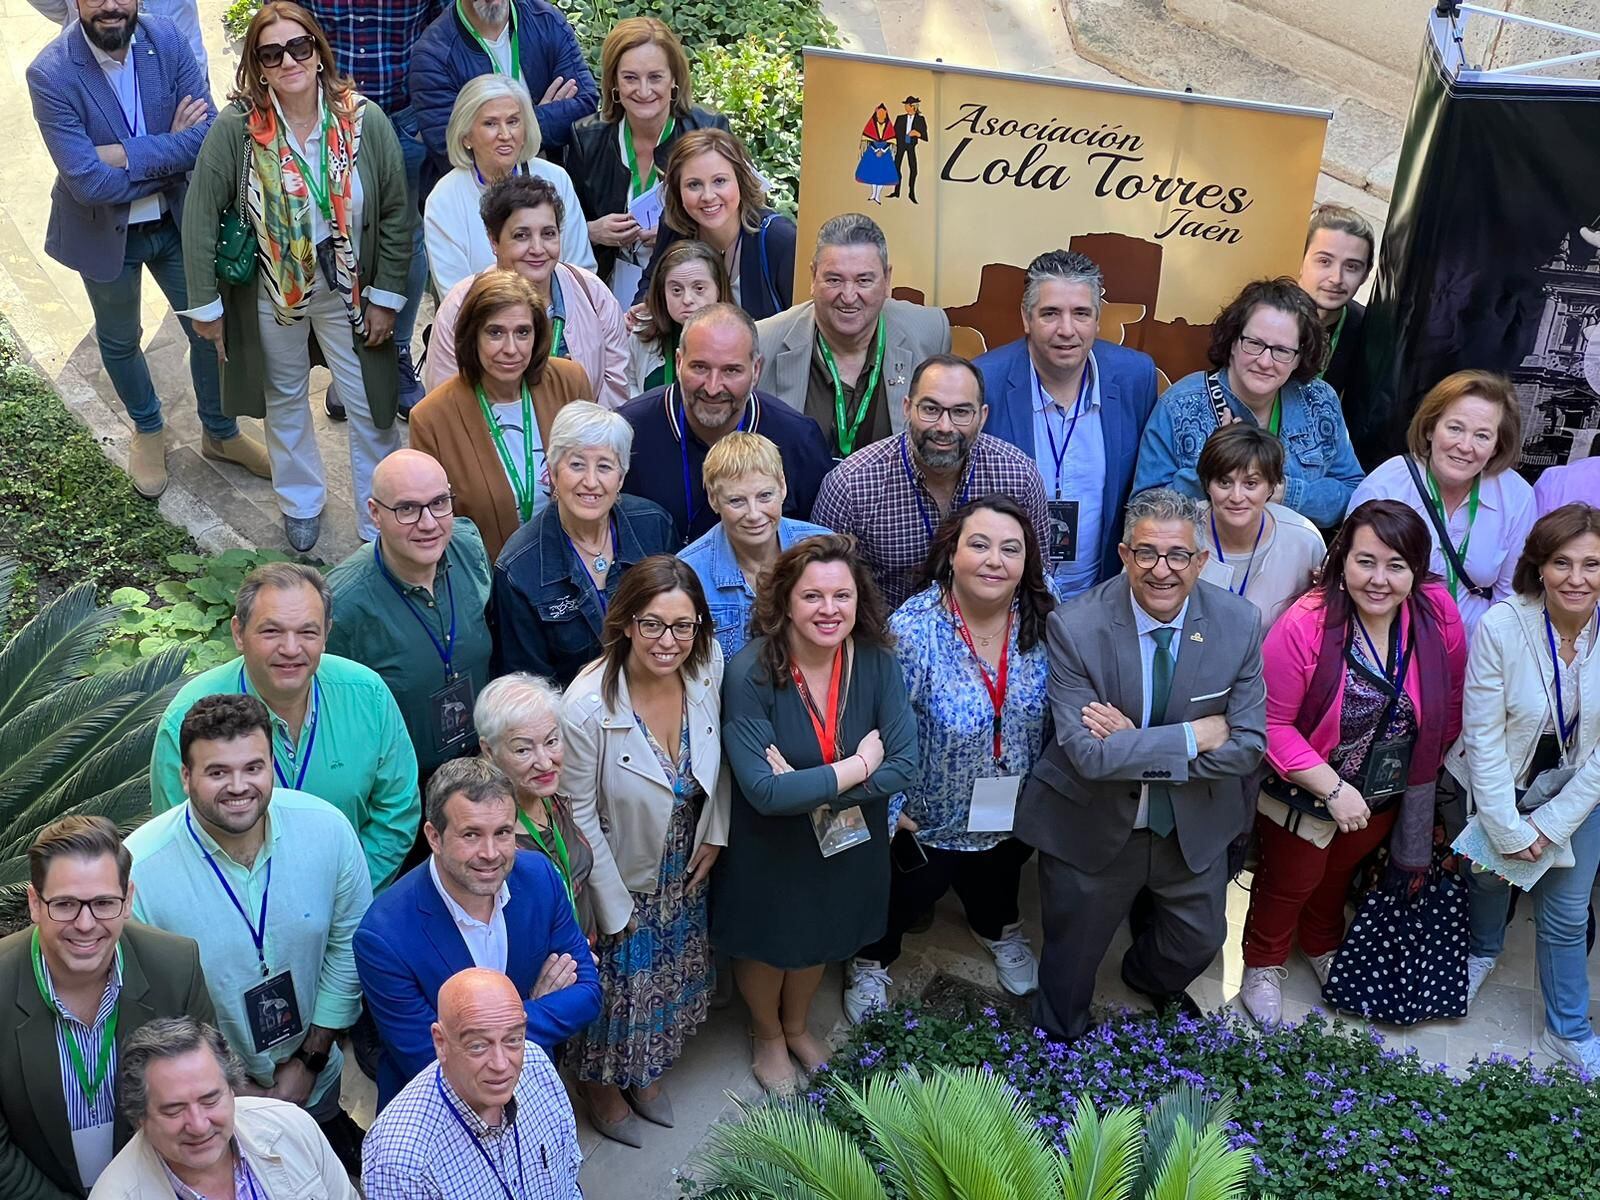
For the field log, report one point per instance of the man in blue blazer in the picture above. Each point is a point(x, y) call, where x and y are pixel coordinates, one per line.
point(477, 902)
point(123, 107)
point(1077, 405)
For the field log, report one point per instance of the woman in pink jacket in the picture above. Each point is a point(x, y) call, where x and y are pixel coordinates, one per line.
point(1364, 678)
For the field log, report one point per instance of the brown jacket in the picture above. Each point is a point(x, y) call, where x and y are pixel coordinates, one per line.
point(448, 424)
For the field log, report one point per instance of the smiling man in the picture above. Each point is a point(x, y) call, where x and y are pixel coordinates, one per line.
point(1340, 251)
point(336, 732)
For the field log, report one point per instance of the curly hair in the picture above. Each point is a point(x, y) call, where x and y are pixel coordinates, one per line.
point(770, 617)
point(1034, 601)
point(1284, 294)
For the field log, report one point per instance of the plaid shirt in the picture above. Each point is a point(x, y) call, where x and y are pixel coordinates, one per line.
point(878, 495)
point(372, 41)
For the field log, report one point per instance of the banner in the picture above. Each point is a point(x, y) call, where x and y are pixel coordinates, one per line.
point(1491, 258)
point(1181, 199)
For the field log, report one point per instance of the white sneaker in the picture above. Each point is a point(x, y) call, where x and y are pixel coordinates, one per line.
point(1261, 993)
point(1477, 971)
point(866, 989)
point(1321, 964)
point(1013, 959)
point(1582, 1056)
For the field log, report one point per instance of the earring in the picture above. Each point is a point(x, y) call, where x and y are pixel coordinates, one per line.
point(616, 96)
point(262, 80)
point(674, 93)
point(319, 67)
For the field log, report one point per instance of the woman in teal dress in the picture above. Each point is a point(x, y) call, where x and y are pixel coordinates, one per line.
point(876, 168)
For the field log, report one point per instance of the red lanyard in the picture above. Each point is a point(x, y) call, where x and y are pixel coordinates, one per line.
point(825, 725)
point(994, 685)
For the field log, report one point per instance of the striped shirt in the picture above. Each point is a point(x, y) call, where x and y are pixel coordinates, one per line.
point(80, 1113)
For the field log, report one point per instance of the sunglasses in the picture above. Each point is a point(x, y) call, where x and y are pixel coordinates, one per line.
point(300, 49)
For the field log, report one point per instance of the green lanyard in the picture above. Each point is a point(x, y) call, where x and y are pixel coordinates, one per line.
point(108, 1037)
point(670, 366)
point(558, 337)
point(1275, 418)
point(320, 195)
point(516, 43)
point(1450, 576)
point(1333, 341)
point(847, 435)
point(640, 185)
point(559, 859)
point(523, 485)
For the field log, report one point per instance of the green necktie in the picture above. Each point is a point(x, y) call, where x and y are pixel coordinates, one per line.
point(1159, 814)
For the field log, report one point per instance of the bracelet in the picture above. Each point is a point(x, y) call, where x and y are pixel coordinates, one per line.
point(1327, 801)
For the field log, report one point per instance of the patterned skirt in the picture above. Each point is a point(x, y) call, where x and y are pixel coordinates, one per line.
point(655, 986)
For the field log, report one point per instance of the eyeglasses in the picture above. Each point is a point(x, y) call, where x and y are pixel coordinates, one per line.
point(1147, 557)
point(654, 627)
point(961, 415)
point(1253, 348)
point(270, 54)
point(65, 909)
point(409, 512)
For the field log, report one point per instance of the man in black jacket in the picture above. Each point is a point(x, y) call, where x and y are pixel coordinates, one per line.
point(910, 129)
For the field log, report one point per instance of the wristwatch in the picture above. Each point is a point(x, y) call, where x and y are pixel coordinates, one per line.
point(316, 1063)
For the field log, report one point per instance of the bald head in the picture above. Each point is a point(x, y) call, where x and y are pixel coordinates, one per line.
point(406, 471)
point(479, 1038)
point(412, 537)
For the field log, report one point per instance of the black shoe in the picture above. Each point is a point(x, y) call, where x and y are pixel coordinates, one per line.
point(1166, 1003)
point(331, 406)
point(410, 386)
point(345, 1136)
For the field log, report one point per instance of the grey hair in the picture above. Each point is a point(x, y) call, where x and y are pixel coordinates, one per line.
point(582, 424)
point(1162, 504)
point(474, 94)
point(512, 702)
point(286, 576)
point(852, 229)
point(478, 779)
point(1063, 266)
point(164, 1038)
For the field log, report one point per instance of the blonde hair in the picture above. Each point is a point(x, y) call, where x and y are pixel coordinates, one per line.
point(1488, 385)
point(737, 454)
point(629, 34)
point(752, 195)
point(474, 94)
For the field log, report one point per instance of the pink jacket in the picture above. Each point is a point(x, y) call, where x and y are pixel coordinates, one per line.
point(1290, 656)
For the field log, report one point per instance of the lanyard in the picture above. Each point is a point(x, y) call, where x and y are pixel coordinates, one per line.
point(445, 649)
point(558, 337)
point(995, 685)
point(477, 1143)
point(1381, 661)
point(311, 741)
point(1333, 340)
point(1249, 566)
point(1077, 411)
point(616, 548)
point(320, 195)
point(108, 1036)
point(523, 485)
point(560, 858)
point(825, 725)
point(1567, 730)
point(847, 431)
point(691, 507)
point(132, 122)
point(516, 43)
point(258, 932)
point(966, 488)
point(639, 185)
point(1450, 575)
point(1275, 417)
point(669, 363)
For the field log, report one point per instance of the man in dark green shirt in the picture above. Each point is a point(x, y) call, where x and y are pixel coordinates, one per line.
point(410, 606)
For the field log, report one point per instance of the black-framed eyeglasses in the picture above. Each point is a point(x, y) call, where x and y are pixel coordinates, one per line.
point(1148, 556)
point(409, 512)
point(270, 54)
point(654, 627)
point(961, 415)
point(65, 909)
point(1255, 347)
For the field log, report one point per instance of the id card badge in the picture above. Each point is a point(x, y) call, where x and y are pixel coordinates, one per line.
point(450, 714)
point(994, 804)
point(838, 831)
point(272, 1012)
point(1063, 517)
point(1388, 765)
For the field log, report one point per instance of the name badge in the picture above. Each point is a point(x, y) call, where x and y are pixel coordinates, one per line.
point(272, 1012)
point(838, 831)
point(450, 714)
point(1388, 765)
point(1063, 518)
point(994, 804)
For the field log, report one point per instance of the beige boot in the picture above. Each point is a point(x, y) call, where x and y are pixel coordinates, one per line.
point(240, 449)
point(147, 463)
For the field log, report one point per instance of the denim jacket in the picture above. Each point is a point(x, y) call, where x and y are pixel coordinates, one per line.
point(1320, 468)
point(728, 596)
point(543, 610)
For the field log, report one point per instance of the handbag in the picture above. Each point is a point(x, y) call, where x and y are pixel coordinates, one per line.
point(236, 240)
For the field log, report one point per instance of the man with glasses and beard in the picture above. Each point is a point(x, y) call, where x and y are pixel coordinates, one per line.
point(674, 427)
point(894, 494)
point(122, 106)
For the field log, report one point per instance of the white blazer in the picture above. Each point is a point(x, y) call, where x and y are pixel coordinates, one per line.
point(1508, 699)
point(620, 799)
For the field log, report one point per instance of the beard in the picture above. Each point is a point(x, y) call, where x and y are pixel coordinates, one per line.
point(703, 406)
point(491, 12)
point(107, 38)
point(940, 457)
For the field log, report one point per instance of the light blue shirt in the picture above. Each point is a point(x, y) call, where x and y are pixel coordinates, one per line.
point(1081, 473)
point(728, 595)
point(122, 77)
point(1145, 624)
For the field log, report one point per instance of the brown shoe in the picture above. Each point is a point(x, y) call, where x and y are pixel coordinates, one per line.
point(240, 449)
point(147, 463)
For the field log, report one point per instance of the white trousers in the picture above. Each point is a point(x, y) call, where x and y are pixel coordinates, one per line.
point(291, 433)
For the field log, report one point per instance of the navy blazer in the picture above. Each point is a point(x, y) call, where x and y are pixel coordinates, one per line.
point(76, 110)
point(408, 945)
point(766, 265)
point(1127, 394)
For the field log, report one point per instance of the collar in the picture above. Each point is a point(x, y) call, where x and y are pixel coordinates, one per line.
point(241, 1172)
point(725, 572)
point(268, 843)
point(280, 727)
point(967, 464)
point(672, 397)
point(105, 61)
point(108, 999)
point(866, 363)
point(1144, 622)
point(316, 135)
point(412, 589)
point(1043, 399)
point(481, 1129)
point(1490, 494)
point(458, 914)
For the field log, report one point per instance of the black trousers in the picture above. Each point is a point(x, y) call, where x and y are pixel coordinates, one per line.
point(986, 880)
point(906, 155)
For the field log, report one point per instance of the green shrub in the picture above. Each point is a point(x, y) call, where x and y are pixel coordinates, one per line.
point(702, 24)
point(758, 86)
point(237, 16)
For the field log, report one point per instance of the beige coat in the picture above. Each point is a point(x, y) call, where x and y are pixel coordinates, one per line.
point(620, 799)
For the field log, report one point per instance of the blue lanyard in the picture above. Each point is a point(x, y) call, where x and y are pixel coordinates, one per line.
point(1077, 411)
point(131, 122)
point(1251, 565)
point(447, 648)
point(258, 933)
point(1381, 661)
point(477, 1144)
point(966, 488)
point(616, 549)
point(311, 741)
point(690, 508)
point(1555, 669)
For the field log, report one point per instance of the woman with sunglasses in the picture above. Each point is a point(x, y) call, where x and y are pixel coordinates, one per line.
point(1266, 349)
point(331, 250)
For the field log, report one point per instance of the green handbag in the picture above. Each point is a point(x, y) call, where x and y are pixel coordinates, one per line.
point(236, 240)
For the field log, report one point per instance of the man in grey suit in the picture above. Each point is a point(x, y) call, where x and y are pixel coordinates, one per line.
point(1160, 711)
point(845, 357)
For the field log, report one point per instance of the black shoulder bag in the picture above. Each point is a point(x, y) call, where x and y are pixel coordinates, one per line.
point(1436, 519)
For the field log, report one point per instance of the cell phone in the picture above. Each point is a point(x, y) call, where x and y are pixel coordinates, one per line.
point(906, 852)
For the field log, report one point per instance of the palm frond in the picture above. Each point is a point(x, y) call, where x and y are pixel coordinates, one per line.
point(1199, 1166)
point(8, 577)
point(1103, 1155)
point(1185, 1103)
point(787, 1152)
point(53, 649)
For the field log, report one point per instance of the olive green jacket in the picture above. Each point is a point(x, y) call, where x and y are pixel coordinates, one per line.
point(383, 255)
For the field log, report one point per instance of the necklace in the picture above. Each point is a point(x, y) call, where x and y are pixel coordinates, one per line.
point(600, 562)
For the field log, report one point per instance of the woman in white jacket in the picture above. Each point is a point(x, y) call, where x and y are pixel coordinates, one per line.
point(1532, 704)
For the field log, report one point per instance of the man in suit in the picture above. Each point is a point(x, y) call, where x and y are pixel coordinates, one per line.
point(123, 106)
point(1077, 406)
point(476, 902)
point(910, 131)
point(82, 973)
point(1160, 710)
point(845, 357)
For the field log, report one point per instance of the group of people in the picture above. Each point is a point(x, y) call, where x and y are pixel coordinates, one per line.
point(700, 630)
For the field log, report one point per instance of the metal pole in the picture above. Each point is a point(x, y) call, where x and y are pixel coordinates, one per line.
point(1536, 22)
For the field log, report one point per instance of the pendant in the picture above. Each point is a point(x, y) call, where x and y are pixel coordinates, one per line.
point(601, 564)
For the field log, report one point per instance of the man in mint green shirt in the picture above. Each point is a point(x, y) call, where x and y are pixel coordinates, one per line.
point(336, 731)
point(271, 883)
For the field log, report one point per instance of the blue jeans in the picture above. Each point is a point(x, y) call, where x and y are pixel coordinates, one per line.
point(411, 147)
point(1561, 917)
point(158, 246)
